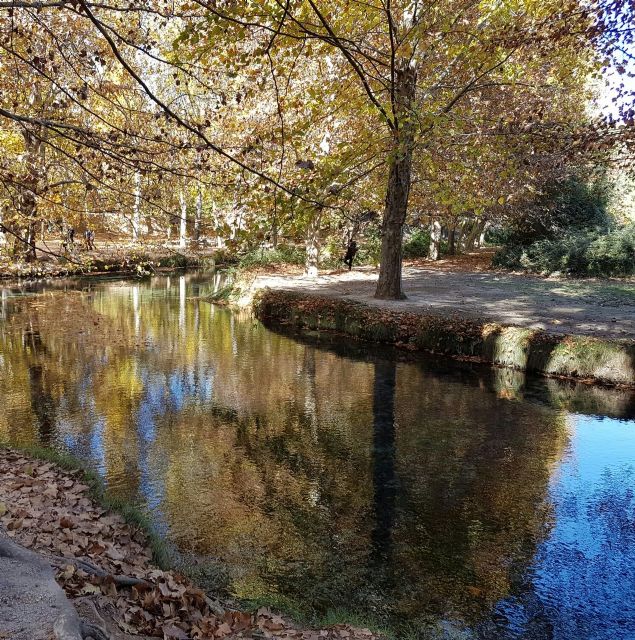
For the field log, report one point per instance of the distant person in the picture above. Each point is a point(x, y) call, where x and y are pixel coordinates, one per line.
point(351, 252)
point(70, 236)
point(89, 239)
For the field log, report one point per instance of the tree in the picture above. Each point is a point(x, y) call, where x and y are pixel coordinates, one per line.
point(420, 69)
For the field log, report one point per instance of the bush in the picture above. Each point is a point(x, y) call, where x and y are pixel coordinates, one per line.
point(564, 207)
point(582, 253)
point(568, 230)
point(417, 244)
point(369, 248)
point(613, 254)
point(284, 254)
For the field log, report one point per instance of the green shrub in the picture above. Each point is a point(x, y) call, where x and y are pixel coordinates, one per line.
point(583, 253)
point(568, 230)
point(369, 248)
point(613, 254)
point(417, 244)
point(283, 254)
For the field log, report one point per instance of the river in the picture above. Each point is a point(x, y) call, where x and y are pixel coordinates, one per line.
point(440, 500)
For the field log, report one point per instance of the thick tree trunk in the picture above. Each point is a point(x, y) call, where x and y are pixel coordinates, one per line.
point(274, 235)
point(475, 232)
point(312, 262)
point(452, 241)
point(434, 253)
point(183, 222)
point(30, 239)
point(398, 189)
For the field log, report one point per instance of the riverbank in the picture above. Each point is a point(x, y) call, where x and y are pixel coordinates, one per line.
point(103, 560)
point(570, 329)
point(114, 259)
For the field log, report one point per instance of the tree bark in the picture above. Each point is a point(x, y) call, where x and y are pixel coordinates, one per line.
point(136, 212)
point(481, 238)
point(313, 245)
point(452, 240)
point(475, 232)
point(434, 252)
point(389, 285)
point(198, 216)
point(183, 222)
point(30, 187)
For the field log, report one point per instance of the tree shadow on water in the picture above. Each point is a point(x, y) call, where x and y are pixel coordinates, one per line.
point(384, 476)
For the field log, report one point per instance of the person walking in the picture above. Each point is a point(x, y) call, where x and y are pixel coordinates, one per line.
point(351, 252)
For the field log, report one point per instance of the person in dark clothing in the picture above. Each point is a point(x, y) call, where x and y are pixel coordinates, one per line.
point(89, 238)
point(71, 235)
point(351, 252)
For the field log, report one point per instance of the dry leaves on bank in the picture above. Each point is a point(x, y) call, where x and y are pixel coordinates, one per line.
point(49, 511)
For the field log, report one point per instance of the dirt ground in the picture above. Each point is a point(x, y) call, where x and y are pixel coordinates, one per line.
point(466, 286)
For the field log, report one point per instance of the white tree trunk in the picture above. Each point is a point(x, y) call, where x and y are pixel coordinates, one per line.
point(136, 212)
point(434, 252)
point(198, 216)
point(183, 224)
point(481, 239)
point(3, 236)
point(313, 246)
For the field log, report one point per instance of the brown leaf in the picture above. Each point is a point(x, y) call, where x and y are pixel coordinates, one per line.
point(172, 632)
point(223, 630)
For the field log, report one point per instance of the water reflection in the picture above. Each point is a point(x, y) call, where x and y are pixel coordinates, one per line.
point(440, 498)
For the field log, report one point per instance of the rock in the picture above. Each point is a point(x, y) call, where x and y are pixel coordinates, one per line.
point(32, 605)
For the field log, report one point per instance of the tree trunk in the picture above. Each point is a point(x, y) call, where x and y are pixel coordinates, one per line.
point(30, 187)
point(3, 233)
point(452, 240)
point(136, 212)
point(475, 232)
point(398, 189)
point(198, 217)
point(434, 252)
point(274, 235)
point(481, 238)
point(183, 222)
point(313, 245)
point(30, 239)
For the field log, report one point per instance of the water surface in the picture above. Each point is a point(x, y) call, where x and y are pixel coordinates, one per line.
point(440, 500)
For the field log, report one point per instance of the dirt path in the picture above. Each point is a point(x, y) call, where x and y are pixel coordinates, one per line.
point(584, 307)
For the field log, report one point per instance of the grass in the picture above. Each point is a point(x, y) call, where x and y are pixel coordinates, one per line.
point(331, 617)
